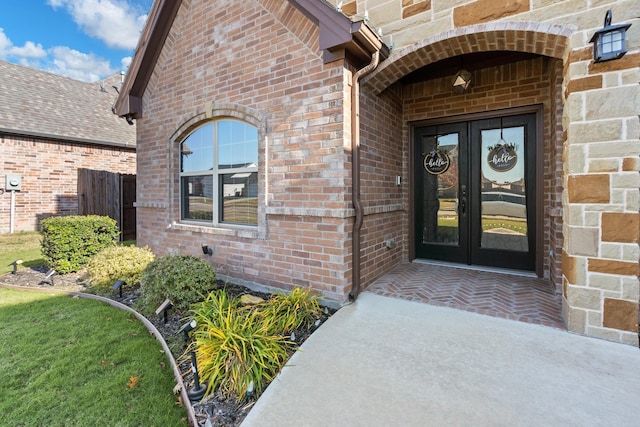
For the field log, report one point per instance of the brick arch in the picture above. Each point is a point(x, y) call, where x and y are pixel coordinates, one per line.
point(533, 37)
point(212, 110)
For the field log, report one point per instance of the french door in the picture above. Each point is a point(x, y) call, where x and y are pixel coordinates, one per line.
point(475, 192)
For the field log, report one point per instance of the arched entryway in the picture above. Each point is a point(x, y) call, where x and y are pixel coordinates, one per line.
point(517, 76)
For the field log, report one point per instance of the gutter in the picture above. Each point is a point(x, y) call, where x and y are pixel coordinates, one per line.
point(355, 175)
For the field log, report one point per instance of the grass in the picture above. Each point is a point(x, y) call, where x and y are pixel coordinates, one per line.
point(73, 362)
point(24, 245)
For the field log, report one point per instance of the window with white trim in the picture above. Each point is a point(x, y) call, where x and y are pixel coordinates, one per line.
point(219, 174)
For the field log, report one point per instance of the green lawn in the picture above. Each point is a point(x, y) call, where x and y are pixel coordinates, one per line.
point(74, 362)
point(24, 246)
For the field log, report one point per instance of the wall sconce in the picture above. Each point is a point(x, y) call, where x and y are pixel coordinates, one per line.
point(206, 249)
point(609, 42)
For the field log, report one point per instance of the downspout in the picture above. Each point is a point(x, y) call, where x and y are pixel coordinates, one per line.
point(355, 174)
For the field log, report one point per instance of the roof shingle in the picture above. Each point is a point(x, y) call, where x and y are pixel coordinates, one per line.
point(40, 104)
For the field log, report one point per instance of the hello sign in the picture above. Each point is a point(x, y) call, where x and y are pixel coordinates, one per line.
point(436, 162)
point(502, 157)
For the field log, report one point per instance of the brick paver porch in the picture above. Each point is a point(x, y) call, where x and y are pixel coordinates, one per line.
point(495, 293)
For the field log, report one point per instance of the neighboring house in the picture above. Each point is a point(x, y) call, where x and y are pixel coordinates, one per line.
point(367, 151)
point(50, 128)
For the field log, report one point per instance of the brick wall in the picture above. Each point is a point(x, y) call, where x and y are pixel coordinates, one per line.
point(384, 156)
point(49, 176)
point(260, 62)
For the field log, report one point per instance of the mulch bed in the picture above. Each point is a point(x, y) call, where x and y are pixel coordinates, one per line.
point(219, 411)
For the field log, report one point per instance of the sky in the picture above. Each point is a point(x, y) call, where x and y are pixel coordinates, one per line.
point(85, 40)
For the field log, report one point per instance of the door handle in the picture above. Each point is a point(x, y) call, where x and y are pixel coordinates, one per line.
point(463, 199)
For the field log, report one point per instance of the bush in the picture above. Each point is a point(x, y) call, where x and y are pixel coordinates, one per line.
point(299, 309)
point(118, 262)
point(235, 347)
point(240, 345)
point(69, 242)
point(184, 279)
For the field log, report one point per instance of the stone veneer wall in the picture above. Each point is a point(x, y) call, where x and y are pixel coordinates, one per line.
point(600, 127)
point(49, 171)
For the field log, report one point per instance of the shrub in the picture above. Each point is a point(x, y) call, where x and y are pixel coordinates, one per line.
point(289, 312)
point(118, 262)
point(235, 347)
point(184, 279)
point(69, 242)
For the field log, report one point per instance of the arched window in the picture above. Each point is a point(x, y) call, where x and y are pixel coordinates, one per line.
point(219, 173)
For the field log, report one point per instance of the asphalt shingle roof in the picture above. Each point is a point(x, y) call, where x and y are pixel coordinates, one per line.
point(40, 104)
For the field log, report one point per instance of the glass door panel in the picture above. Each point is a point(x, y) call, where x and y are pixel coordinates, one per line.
point(440, 170)
point(440, 181)
point(503, 198)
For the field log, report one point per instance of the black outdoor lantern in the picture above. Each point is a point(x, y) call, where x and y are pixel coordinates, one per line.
point(609, 42)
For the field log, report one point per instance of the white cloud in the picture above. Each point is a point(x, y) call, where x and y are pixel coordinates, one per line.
point(30, 50)
point(77, 65)
point(116, 22)
point(125, 62)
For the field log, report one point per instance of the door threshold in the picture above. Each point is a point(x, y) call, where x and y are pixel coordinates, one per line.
point(521, 273)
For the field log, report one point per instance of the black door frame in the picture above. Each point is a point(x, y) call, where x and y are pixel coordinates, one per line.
point(539, 173)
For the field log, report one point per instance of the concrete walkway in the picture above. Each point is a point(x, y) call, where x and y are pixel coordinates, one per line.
point(389, 362)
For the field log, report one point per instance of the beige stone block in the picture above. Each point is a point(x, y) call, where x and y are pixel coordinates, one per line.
point(632, 200)
point(595, 209)
point(611, 251)
point(630, 288)
point(574, 215)
point(583, 241)
point(605, 282)
point(620, 314)
point(633, 128)
point(576, 320)
point(381, 14)
point(585, 298)
point(626, 180)
point(448, 5)
point(604, 165)
point(603, 130)
point(574, 108)
point(629, 338)
point(614, 149)
point(630, 252)
point(611, 80)
point(610, 103)
point(594, 318)
point(629, 77)
point(603, 333)
point(575, 159)
point(618, 199)
point(592, 219)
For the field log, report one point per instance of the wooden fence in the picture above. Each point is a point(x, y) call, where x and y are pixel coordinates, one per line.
point(111, 194)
